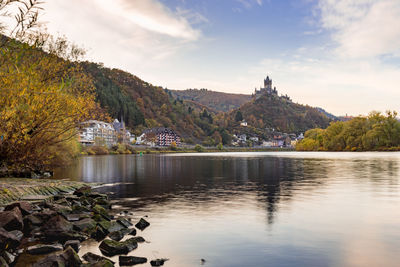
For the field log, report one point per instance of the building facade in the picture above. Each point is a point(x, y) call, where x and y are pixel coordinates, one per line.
point(97, 132)
point(162, 136)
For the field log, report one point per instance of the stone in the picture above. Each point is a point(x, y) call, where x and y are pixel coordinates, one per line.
point(158, 262)
point(142, 224)
point(9, 258)
point(131, 260)
point(118, 235)
point(84, 190)
point(75, 244)
point(3, 262)
point(93, 258)
point(138, 239)
point(43, 249)
point(115, 226)
point(24, 206)
point(124, 222)
point(57, 225)
point(99, 233)
point(11, 219)
point(68, 258)
point(17, 234)
point(112, 248)
point(35, 197)
point(86, 225)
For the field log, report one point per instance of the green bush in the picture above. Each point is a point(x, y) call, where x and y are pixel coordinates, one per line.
point(199, 148)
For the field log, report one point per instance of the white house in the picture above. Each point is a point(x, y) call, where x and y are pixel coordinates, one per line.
point(243, 123)
point(92, 131)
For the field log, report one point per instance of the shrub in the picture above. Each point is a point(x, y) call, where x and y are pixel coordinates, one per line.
point(199, 148)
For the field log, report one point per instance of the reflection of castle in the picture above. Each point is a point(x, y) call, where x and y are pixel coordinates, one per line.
point(267, 89)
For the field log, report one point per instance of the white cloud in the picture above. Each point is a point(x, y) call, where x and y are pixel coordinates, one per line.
point(135, 35)
point(250, 3)
point(362, 28)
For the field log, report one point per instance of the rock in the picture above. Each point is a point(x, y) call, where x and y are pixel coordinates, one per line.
point(93, 258)
point(17, 234)
point(142, 224)
point(112, 248)
point(76, 217)
point(118, 235)
point(46, 214)
point(56, 226)
point(43, 249)
point(3, 262)
point(86, 225)
point(138, 239)
point(35, 198)
point(67, 258)
point(124, 222)
point(115, 226)
point(8, 257)
point(75, 244)
point(131, 260)
point(24, 206)
point(158, 262)
point(31, 222)
point(99, 233)
point(11, 220)
point(84, 190)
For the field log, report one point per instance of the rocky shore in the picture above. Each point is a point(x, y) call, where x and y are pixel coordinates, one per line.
point(48, 231)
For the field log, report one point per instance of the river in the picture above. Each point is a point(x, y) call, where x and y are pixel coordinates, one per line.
point(257, 209)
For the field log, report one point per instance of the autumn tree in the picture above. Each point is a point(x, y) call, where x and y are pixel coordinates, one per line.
point(44, 95)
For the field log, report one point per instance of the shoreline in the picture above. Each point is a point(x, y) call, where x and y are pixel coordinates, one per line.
point(49, 227)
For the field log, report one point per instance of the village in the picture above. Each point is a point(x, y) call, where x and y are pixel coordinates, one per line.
point(101, 133)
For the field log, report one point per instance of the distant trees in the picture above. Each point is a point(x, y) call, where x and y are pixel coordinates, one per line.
point(374, 132)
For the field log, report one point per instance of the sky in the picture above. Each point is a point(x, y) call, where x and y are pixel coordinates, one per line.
point(343, 55)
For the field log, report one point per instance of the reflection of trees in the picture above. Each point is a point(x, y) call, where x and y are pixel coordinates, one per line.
point(205, 181)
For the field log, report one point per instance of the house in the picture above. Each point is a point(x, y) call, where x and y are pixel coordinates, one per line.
point(160, 136)
point(97, 132)
point(254, 139)
point(243, 123)
point(124, 136)
point(242, 138)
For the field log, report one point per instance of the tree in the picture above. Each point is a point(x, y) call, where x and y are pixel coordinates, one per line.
point(43, 97)
point(238, 116)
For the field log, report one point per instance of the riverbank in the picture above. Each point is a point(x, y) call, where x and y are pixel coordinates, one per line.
point(48, 228)
point(189, 149)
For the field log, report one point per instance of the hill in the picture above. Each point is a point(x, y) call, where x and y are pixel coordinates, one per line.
point(219, 101)
point(279, 113)
point(142, 105)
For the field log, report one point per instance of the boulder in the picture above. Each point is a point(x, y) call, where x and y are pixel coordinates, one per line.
point(24, 206)
point(131, 260)
point(118, 235)
point(43, 249)
point(86, 225)
point(17, 234)
point(112, 248)
point(3, 262)
point(158, 262)
point(68, 258)
point(125, 223)
point(142, 224)
point(84, 190)
point(11, 219)
point(93, 258)
point(99, 233)
point(9, 258)
point(115, 226)
point(75, 244)
point(102, 263)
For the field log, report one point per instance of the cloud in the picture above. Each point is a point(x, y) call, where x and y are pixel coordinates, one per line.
point(135, 35)
point(250, 3)
point(362, 28)
point(153, 16)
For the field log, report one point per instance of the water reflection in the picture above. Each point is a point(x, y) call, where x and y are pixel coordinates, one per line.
point(276, 209)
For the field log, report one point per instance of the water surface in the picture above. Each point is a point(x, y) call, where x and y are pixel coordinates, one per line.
point(257, 209)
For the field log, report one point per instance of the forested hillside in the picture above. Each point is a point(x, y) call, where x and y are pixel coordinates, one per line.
point(218, 101)
point(279, 113)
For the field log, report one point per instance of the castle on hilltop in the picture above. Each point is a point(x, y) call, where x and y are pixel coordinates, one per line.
point(266, 90)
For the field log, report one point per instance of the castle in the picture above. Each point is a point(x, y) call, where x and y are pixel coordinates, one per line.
point(267, 89)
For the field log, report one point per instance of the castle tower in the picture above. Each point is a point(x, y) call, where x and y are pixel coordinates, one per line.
point(268, 83)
